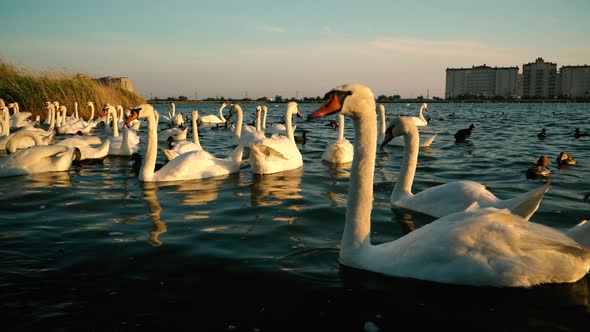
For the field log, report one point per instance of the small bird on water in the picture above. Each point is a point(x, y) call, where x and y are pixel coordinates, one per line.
point(463, 134)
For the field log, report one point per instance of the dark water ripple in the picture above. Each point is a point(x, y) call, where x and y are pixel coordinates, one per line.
point(94, 249)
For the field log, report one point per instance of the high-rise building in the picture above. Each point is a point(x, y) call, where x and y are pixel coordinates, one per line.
point(539, 79)
point(482, 80)
point(574, 81)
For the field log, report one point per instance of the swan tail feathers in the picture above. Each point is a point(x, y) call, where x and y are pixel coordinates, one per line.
point(236, 154)
point(428, 141)
point(581, 233)
point(169, 154)
point(526, 204)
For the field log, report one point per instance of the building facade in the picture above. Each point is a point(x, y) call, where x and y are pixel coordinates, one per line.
point(125, 82)
point(574, 81)
point(539, 79)
point(482, 80)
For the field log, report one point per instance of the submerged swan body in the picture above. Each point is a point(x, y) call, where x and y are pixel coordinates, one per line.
point(480, 246)
point(341, 151)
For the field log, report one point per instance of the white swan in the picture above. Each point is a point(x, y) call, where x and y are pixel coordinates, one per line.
point(420, 121)
point(185, 146)
point(43, 137)
point(480, 247)
point(191, 165)
point(277, 153)
point(214, 119)
point(397, 141)
point(340, 151)
point(88, 145)
point(18, 119)
point(120, 146)
point(451, 197)
point(248, 137)
point(36, 159)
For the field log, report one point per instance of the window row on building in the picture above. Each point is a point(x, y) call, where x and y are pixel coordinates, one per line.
point(539, 79)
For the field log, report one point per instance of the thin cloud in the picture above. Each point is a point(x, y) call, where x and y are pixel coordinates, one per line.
point(272, 28)
point(327, 29)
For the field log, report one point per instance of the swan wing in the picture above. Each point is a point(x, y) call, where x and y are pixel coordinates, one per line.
point(487, 246)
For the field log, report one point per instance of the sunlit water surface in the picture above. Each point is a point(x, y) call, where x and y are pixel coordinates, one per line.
point(95, 249)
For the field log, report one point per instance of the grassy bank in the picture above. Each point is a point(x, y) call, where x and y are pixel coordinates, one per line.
point(31, 91)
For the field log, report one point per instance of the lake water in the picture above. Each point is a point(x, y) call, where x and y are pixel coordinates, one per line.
point(95, 249)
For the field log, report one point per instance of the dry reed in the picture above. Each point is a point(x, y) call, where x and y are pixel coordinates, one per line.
point(31, 91)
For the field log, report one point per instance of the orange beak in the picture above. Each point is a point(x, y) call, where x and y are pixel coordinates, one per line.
point(330, 106)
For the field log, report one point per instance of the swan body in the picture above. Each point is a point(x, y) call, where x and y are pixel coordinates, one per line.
point(185, 146)
point(36, 159)
point(479, 246)
point(340, 151)
point(191, 165)
point(419, 120)
point(277, 153)
point(120, 146)
point(214, 119)
point(18, 119)
point(243, 135)
point(176, 133)
point(37, 137)
point(87, 150)
point(441, 200)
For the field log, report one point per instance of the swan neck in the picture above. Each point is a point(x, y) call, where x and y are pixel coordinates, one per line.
point(289, 127)
point(91, 112)
point(258, 127)
point(264, 118)
point(238, 132)
point(403, 186)
point(420, 115)
point(340, 127)
point(5, 122)
point(113, 114)
point(360, 190)
point(195, 131)
point(383, 124)
point(221, 113)
point(146, 173)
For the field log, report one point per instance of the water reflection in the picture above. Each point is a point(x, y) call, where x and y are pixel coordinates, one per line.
point(51, 180)
point(274, 189)
point(150, 196)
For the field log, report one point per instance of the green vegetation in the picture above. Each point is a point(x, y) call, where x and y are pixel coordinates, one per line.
point(31, 91)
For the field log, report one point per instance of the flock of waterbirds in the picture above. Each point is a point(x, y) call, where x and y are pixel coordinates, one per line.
point(477, 239)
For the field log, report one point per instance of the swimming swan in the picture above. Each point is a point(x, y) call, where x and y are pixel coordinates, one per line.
point(447, 198)
point(214, 119)
point(36, 159)
point(277, 153)
point(480, 247)
point(341, 151)
point(185, 146)
point(400, 141)
point(191, 165)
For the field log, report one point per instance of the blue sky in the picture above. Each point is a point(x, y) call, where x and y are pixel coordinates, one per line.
point(267, 48)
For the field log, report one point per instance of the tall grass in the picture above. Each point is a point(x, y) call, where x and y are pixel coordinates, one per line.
point(31, 91)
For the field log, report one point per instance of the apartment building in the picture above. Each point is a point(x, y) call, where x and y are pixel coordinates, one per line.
point(539, 79)
point(481, 80)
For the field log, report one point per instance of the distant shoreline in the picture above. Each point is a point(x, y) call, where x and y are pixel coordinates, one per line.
point(402, 101)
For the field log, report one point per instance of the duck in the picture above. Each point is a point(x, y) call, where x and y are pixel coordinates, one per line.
point(214, 119)
point(565, 159)
point(578, 133)
point(37, 158)
point(135, 162)
point(419, 120)
point(543, 134)
point(301, 138)
point(444, 199)
point(191, 165)
point(181, 147)
point(340, 151)
point(277, 153)
point(463, 134)
point(539, 171)
point(476, 247)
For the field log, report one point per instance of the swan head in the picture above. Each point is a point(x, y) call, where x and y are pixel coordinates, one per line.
point(424, 107)
point(264, 108)
point(139, 111)
point(293, 109)
point(258, 110)
point(235, 108)
point(195, 114)
point(381, 108)
point(350, 100)
point(399, 126)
